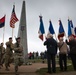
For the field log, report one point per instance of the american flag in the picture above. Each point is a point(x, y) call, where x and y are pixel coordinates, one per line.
point(13, 19)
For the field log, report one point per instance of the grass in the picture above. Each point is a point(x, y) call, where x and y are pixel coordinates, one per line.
point(43, 71)
point(36, 60)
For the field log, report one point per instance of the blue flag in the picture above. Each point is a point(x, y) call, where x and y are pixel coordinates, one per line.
point(41, 29)
point(75, 30)
point(51, 29)
point(61, 30)
point(71, 23)
point(69, 28)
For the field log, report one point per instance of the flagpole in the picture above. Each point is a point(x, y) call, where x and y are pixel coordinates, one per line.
point(3, 33)
point(55, 37)
point(12, 32)
point(45, 37)
point(13, 20)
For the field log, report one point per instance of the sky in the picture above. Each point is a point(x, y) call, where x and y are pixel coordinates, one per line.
point(50, 10)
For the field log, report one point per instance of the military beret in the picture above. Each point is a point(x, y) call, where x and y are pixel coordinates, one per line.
point(10, 37)
point(17, 38)
point(2, 43)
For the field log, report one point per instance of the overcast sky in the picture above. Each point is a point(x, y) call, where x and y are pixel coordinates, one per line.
point(49, 9)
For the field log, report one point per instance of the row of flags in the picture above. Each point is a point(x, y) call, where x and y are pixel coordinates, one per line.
point(61, 33)
point(13, 19)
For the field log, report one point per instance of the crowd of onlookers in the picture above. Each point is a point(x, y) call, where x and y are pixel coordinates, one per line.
point(42, 55)
point(37, 55)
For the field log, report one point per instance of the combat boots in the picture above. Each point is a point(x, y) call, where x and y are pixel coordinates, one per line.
point(16, 69)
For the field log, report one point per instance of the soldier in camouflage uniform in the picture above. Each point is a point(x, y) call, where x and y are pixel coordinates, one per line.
point(9, 53)
point(18, 54)
point(2, 54)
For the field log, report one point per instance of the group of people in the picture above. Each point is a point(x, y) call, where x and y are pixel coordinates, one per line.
point(52, 46)
point(33, 55)
point(13, 53)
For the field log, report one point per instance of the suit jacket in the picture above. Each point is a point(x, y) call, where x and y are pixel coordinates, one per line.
point(51, 45)
point(72, 45)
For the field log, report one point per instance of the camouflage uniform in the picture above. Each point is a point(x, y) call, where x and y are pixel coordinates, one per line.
point(18, 55)
point(8, 54)
point(2, 54)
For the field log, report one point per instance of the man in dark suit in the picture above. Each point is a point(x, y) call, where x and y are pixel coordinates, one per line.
point(51, 45)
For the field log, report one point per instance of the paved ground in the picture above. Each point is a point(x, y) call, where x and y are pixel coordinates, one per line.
point(31, 69)
point(24, 70)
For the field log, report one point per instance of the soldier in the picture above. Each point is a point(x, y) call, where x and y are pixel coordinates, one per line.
point(2, 54)
point(18, 54)
point(9, 53)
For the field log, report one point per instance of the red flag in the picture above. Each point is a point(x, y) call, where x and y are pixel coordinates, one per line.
point(13, 19)
point(2, 22)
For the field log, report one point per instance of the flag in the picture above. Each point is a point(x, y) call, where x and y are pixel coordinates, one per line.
point(69, 29)
point(75, 30)
point(61, 30)
point(41, 29)
point(2, 22)
point(51, 29)
point(72, 28)
point(13, 19)
point(71, 23)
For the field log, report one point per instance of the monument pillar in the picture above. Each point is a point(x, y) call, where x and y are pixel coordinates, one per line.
point(22, 32)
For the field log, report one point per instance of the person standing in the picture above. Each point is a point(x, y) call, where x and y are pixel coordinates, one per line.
point(63, 50)
point(51, 45)
point(18, 54)
point(2, 54)
point(9, 53)
point(72, 46)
